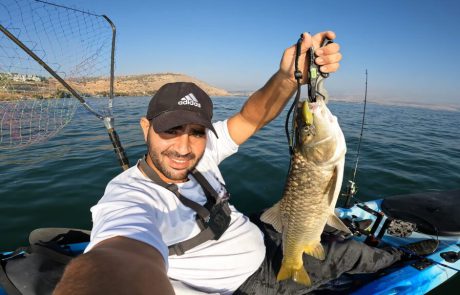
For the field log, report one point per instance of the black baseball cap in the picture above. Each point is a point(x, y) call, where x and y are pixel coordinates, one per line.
point(180, 103)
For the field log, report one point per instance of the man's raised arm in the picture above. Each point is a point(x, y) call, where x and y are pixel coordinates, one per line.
point(266, 103)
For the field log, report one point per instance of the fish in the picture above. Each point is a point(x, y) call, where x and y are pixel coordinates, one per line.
point(311, 190)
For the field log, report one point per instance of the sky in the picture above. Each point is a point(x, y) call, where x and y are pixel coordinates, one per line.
point(410, 48)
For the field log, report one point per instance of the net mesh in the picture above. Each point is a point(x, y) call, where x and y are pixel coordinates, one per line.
point(76, 44)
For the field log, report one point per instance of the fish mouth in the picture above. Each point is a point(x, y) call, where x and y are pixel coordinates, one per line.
point(319, 107)
point(318, 103)
point(315, 105)
point(317, 133)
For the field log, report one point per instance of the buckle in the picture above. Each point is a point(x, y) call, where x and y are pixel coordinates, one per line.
point(178, 249)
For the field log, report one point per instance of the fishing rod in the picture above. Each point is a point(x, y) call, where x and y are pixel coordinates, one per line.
point(350, 194)
point(351, 187)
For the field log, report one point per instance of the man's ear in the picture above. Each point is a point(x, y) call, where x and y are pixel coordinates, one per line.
point(145, 125)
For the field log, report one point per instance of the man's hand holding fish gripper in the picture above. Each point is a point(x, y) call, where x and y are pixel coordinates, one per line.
point(268, 102)
point(327, 57)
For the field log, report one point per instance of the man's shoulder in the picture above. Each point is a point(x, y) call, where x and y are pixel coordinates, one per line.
point(222, 131)
point(129, 173)
point(132, 185)
point(126, 178)
point(223, 146)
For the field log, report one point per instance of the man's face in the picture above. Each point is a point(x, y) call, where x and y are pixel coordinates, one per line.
point(175, 152)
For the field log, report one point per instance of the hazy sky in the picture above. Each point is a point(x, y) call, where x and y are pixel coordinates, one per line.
point(410, 48)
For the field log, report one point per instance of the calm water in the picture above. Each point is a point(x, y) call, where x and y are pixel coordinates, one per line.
point(404, 150)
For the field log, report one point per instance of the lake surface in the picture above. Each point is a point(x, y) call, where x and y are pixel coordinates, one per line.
point(53, 184)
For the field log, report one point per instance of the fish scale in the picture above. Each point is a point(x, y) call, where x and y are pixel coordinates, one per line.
point(300, 183)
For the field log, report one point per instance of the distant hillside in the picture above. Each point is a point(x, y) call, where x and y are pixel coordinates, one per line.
point(145, 85)
point(135, 85)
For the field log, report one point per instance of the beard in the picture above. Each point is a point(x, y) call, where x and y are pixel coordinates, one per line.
point(169, 172)
point(166, 170)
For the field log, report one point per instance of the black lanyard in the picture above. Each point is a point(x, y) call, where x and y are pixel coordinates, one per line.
point(214, 216)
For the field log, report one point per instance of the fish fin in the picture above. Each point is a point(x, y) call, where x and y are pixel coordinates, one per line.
point(315, 250)
point(332, 185)
point(298, 275)
point(272, 216)
point(335, 222)
point(301, 276)
point(284, 273)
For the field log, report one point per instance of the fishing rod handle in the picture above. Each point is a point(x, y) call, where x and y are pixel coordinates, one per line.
point(118, 149)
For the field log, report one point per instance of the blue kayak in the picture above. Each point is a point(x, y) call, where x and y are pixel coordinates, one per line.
point(393, 221)
point(436, 215)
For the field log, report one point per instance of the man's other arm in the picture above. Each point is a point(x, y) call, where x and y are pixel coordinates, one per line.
point(117, 265)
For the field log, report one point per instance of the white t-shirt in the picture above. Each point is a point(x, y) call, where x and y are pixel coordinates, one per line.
point(134, 207)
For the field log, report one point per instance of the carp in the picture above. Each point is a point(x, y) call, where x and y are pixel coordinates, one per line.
point(311, 190)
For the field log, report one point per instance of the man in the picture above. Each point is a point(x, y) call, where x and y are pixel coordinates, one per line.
point(146, 236)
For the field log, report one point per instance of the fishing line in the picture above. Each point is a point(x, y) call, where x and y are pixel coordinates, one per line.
point(351, 187)
point(298, 76)
point(361, 134)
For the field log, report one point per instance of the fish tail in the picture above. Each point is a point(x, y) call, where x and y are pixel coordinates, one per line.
point(315, 250)
point(299, 275)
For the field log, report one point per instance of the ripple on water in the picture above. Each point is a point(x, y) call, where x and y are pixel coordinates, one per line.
point(404, 150)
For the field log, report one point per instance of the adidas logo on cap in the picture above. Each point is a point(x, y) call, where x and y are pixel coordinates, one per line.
point(189, 99)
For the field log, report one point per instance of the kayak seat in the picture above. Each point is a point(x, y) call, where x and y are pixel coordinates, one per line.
point(434, 213)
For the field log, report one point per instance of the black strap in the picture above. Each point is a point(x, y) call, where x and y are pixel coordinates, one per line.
point(202, 212)
point(180, 248)
point(207, 231)
point(209, 191)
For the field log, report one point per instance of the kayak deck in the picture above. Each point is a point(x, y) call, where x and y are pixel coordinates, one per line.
point(421, 275)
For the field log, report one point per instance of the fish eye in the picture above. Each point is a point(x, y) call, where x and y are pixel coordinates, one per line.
point(309, 130)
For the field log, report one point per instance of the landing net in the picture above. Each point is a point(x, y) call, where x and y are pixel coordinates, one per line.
point(75, 44)
point(53, 57)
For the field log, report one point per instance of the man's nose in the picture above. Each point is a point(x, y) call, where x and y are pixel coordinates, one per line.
point(183, 144)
